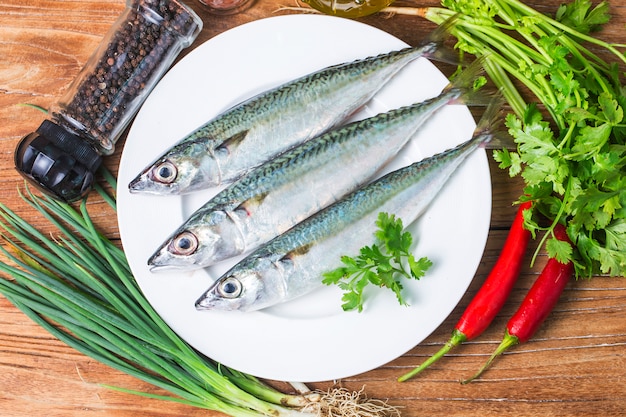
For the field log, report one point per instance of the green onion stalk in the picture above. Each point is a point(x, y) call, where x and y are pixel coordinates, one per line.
point(573, 162)
point(79, 287)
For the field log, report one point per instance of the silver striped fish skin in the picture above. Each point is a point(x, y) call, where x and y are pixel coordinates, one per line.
point(288, 189)
point(292, 264)
point(259, 128)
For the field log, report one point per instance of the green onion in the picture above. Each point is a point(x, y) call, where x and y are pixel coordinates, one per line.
point(79, 287)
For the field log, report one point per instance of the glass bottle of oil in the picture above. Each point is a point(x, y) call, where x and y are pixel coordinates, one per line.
point(349, 8)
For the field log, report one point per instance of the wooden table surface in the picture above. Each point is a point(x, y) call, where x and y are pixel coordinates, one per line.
point(574, 366)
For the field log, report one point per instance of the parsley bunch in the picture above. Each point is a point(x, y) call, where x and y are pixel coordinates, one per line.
point(382, 264)
point(571, 145)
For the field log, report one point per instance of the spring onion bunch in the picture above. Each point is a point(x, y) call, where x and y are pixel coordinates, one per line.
point(78, 286)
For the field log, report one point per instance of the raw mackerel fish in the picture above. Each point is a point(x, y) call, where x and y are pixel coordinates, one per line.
point(288, 189)
point(259, 128)
point(293, 264)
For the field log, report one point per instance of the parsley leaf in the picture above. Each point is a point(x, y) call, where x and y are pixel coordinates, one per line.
point(382, 264)
point(578, 16)
point(570, 146)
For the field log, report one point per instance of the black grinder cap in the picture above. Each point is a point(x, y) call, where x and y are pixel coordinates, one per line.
point(58, 162)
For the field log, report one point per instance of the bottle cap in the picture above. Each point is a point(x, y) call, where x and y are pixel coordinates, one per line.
point(58, 162)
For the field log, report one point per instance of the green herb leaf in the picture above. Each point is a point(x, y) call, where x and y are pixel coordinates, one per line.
point(419, 268)
point(382, 264)
point(78, 286)
point(574, 162)
point(578, 16)
point(560, 250)
point(611, 109)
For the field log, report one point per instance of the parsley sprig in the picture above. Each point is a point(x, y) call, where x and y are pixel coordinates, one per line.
point(571, 145)
point(382, 264)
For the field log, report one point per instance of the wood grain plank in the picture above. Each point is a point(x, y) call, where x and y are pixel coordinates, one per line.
point(572, 367)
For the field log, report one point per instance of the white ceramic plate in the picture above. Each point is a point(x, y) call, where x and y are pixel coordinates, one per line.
point(311, 338)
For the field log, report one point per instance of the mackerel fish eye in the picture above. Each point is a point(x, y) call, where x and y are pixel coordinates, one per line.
point(165, 172)
point(230, 288)
point(184, 244)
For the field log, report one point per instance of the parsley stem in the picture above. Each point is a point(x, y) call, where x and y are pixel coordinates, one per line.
point(555, 221)
point(574, 173)
point(506, 52)
point(514, 22)
point(567, 137)
point(558, 25)
point(500, 78)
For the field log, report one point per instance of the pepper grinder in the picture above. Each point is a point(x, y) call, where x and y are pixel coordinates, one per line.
point(61, 157)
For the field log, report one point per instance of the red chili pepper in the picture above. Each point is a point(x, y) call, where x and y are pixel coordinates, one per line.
point(537, 305)
point(492, 294)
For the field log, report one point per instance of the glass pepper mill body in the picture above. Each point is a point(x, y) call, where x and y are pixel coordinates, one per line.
point(62, 156)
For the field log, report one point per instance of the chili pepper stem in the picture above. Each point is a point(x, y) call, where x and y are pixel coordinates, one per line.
point(456, 339)
point(507, 342)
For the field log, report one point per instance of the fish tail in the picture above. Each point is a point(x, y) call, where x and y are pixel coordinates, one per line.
point(489, 130)
point(438, 51)
point(471, 84)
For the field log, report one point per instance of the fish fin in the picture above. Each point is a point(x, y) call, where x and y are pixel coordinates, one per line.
point(500, 140)
point(445, 55)
point(256, 200)
point(442, 53)
point(472, 83)
point(232, 142)
point(443, 31)
point(491, 125)
point(299, 251)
